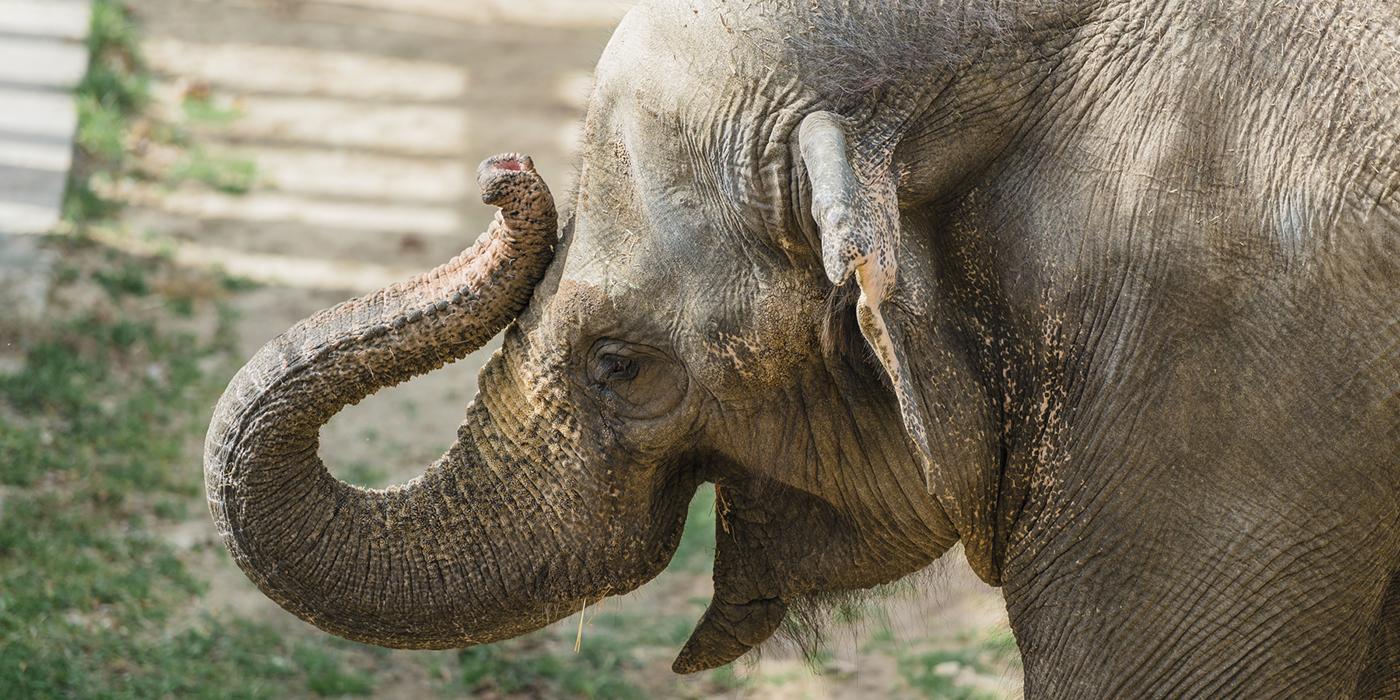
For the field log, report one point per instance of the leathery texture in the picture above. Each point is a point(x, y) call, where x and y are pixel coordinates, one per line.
point(391, 567)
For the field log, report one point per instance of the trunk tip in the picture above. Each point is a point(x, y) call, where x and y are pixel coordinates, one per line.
point(510, 180)
point(509, 162)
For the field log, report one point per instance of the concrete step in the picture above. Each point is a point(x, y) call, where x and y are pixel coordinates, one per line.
point(42, 61)
point(54, 19)
point(42, 57)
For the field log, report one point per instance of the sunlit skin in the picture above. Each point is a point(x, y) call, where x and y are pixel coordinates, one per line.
point(1104, 292)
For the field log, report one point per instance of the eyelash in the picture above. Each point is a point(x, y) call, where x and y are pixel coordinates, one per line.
point(620, 367)
point(617, 368)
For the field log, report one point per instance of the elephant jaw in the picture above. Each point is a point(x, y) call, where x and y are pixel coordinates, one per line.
point(775, 546)
point(749, 602)
point(729, 630)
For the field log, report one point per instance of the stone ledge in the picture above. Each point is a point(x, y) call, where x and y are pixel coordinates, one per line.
point(43, 56)
point(56, 19)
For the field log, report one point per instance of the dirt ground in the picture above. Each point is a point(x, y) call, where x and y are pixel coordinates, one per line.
point(366, 119)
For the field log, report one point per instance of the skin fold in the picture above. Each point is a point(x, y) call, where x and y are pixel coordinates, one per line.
point(1108, 292)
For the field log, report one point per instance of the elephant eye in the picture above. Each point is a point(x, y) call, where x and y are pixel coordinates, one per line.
point(636, 381)
point(614, 362)
point(617, 368)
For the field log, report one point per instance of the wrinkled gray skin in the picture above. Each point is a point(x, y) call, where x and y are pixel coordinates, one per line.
point(1120, 281)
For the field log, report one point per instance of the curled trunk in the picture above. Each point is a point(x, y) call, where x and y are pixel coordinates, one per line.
point(394, 567)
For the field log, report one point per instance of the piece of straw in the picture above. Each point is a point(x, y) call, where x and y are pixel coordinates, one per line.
point(578, 641)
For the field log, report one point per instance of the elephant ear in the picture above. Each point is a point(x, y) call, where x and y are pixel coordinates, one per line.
point(856, 208)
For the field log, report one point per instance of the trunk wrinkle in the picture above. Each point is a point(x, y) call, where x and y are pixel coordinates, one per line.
point(388, 566)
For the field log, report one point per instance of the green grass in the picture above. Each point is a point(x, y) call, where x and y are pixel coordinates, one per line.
point(114, 95)
point(328, 675)
point(234, 283)
point(113, 92)
point(101, 412)
point(81, 203)
point(99, 389)
point(127, 279)
point(933, 673)
point(696, 551)
point(597, 671)
point(102, 130)
point(203, 111)
point(362, 473)
point(116, 77)
point(225, 173)
point(99, 431)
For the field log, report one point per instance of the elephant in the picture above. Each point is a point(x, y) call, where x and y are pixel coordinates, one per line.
point(1107, 292)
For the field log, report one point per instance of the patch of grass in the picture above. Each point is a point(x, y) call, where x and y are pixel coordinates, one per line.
point(112, 99)
point(127, 279)
point(934, 673)
point(112, 93)
point(203, 111)
point(235, 283)
point(81, 204)
point(101, 129)
point(106, 408)
point(171, 509)
point(882, 635)
point(103, 391)
point(115, 87)
point(597, 671)
point(729, 679)
point(327, 674)
point(76, 571)
point(116, 77)
point(229, 174)
point(926, 674)
point(361, 473)
point(209, 660)
point(181, 306)
point(111, 31)
point(97, 427)
point(696, 551)
point(105, 405)
point(99, 430)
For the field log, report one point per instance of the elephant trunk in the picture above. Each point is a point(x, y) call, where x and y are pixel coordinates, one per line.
point(402, 566)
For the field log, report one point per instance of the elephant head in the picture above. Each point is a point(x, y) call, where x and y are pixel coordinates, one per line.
point(695, 321)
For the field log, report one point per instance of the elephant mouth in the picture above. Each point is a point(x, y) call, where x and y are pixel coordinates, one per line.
point(749, 601)
point(729, 629)
point(778, 548)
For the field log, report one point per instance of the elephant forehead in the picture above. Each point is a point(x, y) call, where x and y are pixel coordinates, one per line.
point(583, 309)
point(577, 301)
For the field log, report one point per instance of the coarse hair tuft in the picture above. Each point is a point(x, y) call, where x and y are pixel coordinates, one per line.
point(813, 622)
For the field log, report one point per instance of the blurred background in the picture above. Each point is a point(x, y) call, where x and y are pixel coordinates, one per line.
point(182, 180)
